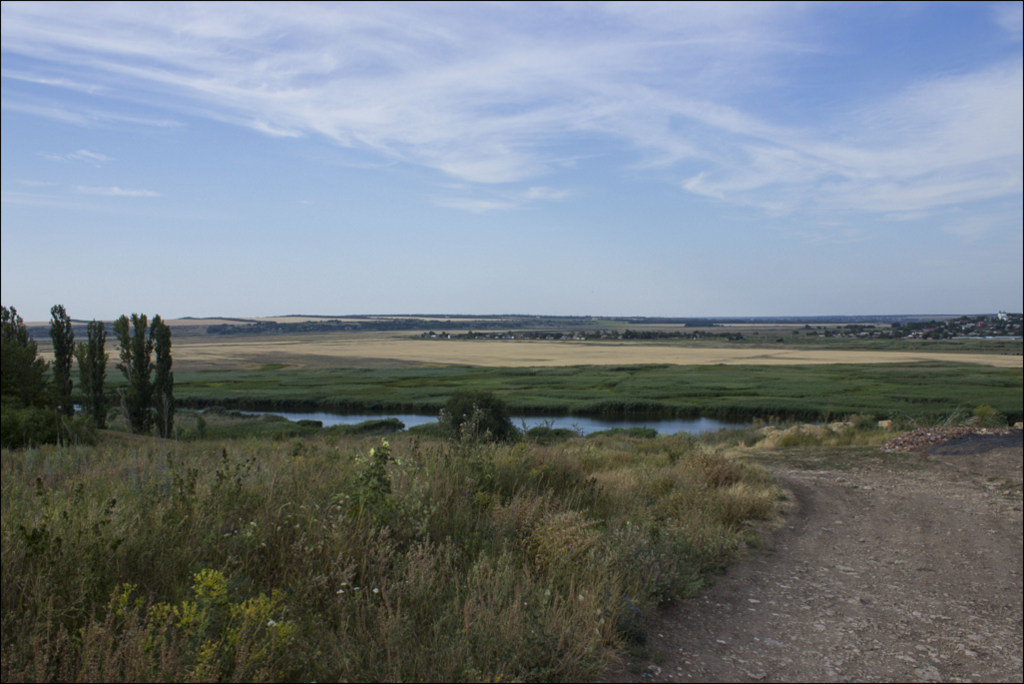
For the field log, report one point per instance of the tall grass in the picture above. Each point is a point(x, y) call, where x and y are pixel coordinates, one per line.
point(337, 558)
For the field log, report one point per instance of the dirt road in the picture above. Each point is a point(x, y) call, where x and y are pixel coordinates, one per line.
point(894, 567)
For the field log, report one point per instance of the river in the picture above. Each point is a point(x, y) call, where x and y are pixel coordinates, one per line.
point(580, 424)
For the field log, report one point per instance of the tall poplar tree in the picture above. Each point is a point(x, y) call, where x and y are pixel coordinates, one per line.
point(63, 353)
point(92, 370)
point(163, 382)
point(135, 350)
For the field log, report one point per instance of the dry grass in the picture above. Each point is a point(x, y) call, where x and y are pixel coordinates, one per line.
point(347, 349)
point(266, 560)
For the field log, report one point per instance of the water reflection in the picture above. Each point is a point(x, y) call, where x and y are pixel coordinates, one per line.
point(580, 424)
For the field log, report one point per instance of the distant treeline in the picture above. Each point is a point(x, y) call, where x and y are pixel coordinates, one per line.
point(441, 322)
point(388, 324)
point(541, 324)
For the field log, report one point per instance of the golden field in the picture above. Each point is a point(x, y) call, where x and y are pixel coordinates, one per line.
point(341, 349)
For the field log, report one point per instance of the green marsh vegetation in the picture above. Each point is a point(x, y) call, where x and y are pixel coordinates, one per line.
point(918, 391)
point(345, 558)
point(220, 423)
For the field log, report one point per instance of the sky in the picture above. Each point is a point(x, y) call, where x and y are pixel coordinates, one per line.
point(647, 159)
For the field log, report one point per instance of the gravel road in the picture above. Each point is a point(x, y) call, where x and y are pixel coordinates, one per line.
point(887, 567)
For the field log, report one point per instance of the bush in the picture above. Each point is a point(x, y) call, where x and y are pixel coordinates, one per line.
point(477, 416)
point(863, 421)
point(986, 416)
point(544, 434)
point(31, 426)
point(28, 426)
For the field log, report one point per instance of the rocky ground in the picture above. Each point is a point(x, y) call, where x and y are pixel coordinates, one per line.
point(900, 565)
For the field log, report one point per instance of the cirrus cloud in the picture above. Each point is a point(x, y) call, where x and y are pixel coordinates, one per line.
point(498, 94)
point(114, 191)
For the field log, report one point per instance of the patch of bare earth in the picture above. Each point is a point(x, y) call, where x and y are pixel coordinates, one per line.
point(894, 567)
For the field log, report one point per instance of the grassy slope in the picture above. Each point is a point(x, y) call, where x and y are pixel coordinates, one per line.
point(319, 559)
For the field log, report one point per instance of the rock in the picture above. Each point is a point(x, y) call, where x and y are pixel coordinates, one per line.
point(919, 439)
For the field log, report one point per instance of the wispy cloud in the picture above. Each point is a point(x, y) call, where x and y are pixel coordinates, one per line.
point(1009, 16)
point(543, 193)
point(80, 155)
point(970, 229)
point(949, 140)
point(497, 200)
point(82, 116)
point(57, 82)
point(474, 205)
point(493, 94)
point(114, 191)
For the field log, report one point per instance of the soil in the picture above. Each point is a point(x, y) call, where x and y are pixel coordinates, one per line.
point(886, 567)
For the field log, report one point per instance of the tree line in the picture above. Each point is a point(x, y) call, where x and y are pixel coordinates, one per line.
point(38, 409)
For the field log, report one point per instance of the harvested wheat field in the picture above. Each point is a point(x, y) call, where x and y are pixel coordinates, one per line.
point(342, 349)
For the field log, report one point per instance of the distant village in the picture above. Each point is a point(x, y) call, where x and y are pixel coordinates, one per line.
point(1001, 325)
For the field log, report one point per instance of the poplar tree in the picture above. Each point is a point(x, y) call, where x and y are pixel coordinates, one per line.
point(135, 350)
point(163, 382)
point(63, 352)
point(92, 370)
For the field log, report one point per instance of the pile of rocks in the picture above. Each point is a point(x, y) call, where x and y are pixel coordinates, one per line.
point(926, 437)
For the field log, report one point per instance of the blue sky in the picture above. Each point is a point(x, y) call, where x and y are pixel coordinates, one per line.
point(677, 159)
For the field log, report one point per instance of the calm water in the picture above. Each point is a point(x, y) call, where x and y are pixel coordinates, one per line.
point(578, 423)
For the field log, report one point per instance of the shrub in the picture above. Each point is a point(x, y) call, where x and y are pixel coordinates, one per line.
point(24, 426)
point(28, 426)
point(543, 434)
point(477, 416)
point(382, 426)
point(863, 421)
point(986, 416)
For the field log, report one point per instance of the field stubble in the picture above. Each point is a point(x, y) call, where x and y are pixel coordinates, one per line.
point(355, 349)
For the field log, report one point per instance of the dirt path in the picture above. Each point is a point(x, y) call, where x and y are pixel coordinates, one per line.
point(887, 568)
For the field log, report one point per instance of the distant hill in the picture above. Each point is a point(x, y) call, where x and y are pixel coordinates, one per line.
point(300, 323)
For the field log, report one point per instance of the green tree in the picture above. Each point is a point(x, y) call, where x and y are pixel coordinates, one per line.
point(92, 370)
point(27, 417)
point(22, 372)
point(163, 382)
point(477, 416)
point(135, 350)
point(63, 353)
